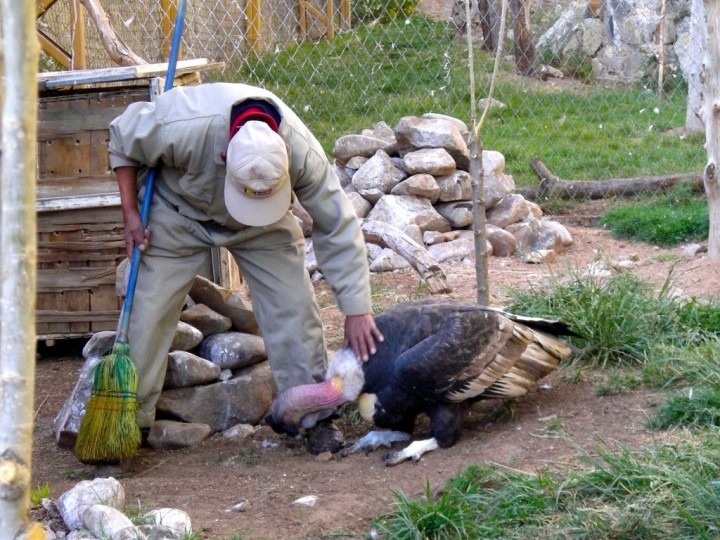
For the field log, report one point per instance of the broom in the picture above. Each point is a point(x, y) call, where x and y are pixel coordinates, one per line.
point(109, 432)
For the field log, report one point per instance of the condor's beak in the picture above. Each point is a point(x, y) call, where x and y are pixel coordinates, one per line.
point(293, 408)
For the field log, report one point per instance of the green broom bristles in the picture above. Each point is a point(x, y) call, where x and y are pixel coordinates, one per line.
point(109, 431)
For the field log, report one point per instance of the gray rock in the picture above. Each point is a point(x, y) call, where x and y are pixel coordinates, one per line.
point(178, 520)
point(166, 434)
point(414, 133)
point(233, 350)
point(536, 235)
point(418, 185)
point(186, 369)
point(72, 503)
point(433, 237)
point(104, 520)
point(458, 213)
point(361, 205)
point(496, 184)
point(186, 337)
point(225, 302)
point(342, 173)
point(503, 243)
point(402, 210)
point(455, 249)
point(206, 320)
point(511, 209)
point(349, 146)
point(434, 161)
point(455, 187)
point(243, 399)
point(459, 124)
point(356, 162)
point(388, 261)
point(542, 256)
point(377, 176)
point(161, 532)
point(238, 432)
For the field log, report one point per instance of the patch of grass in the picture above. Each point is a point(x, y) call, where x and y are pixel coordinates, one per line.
point(412, 65)
point(350, 413)
point(668, 366)
point(619, 318)
point(39, 493)
point(693, 408)
point(670, 491)
point(676, 217)
point(618, 382)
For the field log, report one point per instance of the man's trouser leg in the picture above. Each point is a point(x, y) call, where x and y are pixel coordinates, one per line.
point(273, 263)
point(178, 251)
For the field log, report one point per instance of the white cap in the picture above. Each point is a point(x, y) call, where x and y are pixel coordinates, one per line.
point(257, 179)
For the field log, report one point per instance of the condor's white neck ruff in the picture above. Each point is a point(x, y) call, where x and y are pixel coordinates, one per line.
point(348, 368)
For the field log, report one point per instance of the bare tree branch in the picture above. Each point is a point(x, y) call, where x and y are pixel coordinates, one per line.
point(115, 47)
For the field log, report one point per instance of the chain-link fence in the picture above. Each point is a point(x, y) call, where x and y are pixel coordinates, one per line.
point(606, 98)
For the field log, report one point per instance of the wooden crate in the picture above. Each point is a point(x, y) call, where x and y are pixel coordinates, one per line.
point(80, 227)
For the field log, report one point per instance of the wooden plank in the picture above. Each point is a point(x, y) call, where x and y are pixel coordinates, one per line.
point(68, 188)
point(58, 316)
point(96, 244)
point(78, 217)
point(72, 279)
point(72, 260)
point(105, 300)
point(75, 203)
point(58, 123)
point(50, 80)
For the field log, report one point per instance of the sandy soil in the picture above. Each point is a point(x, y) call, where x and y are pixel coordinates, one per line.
point(269, 472)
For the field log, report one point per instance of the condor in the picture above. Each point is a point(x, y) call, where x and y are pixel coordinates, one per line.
point(438, 358)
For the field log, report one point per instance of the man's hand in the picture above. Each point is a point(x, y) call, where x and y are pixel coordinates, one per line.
point(361, 334)
point(134, 234)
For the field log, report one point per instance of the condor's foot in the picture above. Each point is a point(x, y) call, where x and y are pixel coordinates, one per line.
point(374, 440)
point(413, 451)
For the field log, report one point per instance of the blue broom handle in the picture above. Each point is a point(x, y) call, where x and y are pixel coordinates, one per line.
point(124, 323)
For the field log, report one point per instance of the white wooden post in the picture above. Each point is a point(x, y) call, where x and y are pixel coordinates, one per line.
point(18, 254)
point(712, 124)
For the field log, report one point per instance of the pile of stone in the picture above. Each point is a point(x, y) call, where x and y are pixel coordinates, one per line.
point(218, 379)
point(415, 177)
point(94, 509)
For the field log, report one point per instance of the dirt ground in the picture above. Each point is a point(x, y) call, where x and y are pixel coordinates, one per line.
point(267, 472)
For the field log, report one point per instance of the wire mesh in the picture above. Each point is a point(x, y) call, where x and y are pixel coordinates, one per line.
point(615, 108)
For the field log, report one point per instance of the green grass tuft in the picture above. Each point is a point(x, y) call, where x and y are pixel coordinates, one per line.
point(621, 319)
point(664, 221)
point(670, 491)
point(692, 408)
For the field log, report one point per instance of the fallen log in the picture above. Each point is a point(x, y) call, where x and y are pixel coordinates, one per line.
point(552, 186)
point(384, 234)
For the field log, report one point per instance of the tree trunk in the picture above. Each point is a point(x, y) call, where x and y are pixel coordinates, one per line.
point(386, 235)
point(694, 120)
point(524, 47)
point(118, 51)
point(552, 186)
point(18, 255)
point(712, 125)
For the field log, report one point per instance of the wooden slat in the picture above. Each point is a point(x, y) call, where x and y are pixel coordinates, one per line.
point(59, 123)
point(96, 244)
point(75, 203)
point(72, 279)
point(57, 316)
point(61, 79)
point(47, 220)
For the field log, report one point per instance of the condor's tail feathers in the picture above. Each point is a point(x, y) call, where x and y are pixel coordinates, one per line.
point(540, 353)
point(549, 326)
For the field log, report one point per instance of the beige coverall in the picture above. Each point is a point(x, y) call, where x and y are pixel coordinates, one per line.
point(183, 133)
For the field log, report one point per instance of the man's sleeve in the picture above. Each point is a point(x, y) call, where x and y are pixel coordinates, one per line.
point(337, 239)
point(136, 138)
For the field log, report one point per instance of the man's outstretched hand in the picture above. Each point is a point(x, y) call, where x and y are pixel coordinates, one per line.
point(361, 334)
